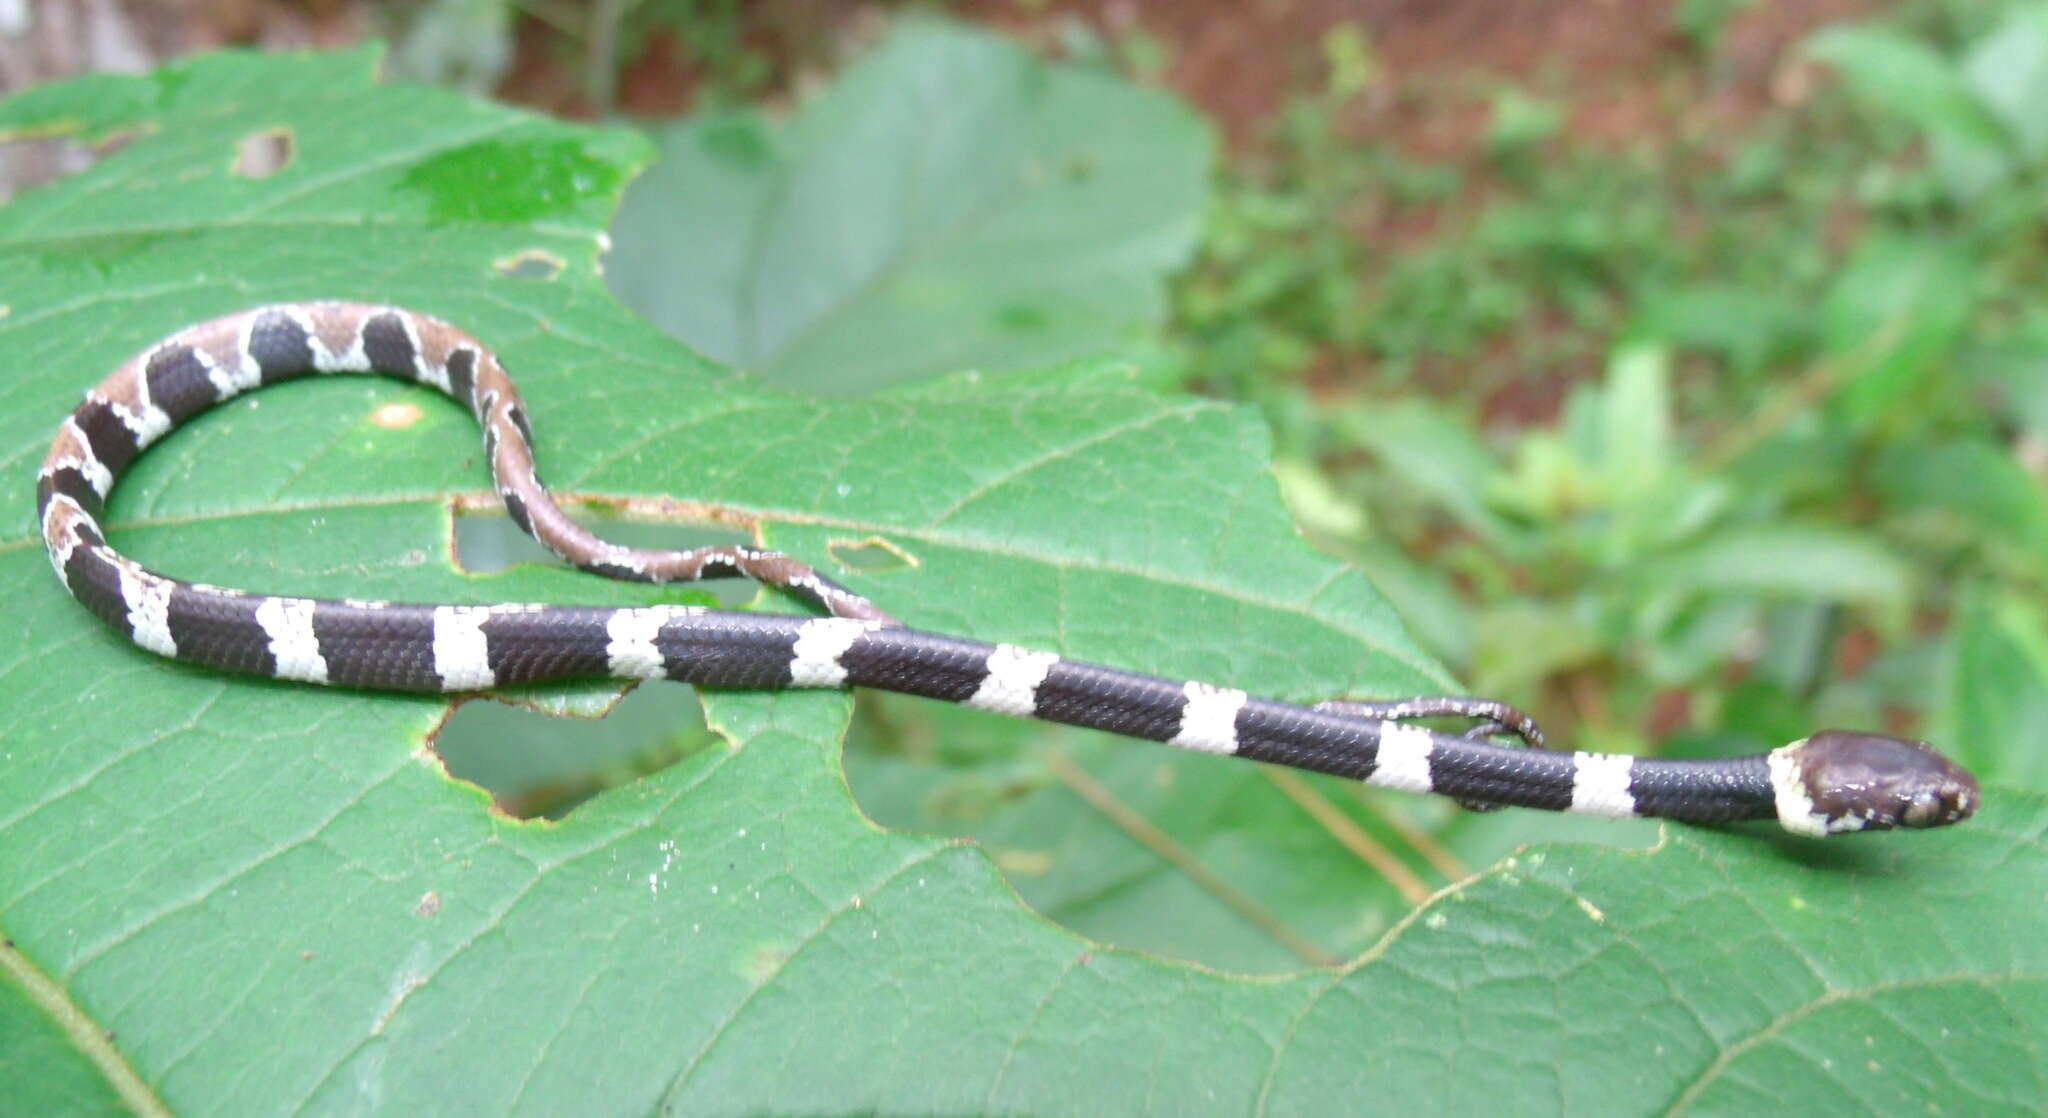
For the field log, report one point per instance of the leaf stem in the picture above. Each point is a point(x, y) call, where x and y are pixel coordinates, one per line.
point(1346, 831)
point(1173, 853)
point(1432, 850)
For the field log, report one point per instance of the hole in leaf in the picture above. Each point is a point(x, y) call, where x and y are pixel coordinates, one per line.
point(31, 160)
point(532, 263)
point(540, 766)
point(264, 153)
point(873, 555)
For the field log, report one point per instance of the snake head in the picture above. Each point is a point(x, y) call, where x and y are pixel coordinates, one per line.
point(1842, 780)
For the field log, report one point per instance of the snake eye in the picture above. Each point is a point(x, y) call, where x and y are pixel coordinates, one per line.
point(1922, 810)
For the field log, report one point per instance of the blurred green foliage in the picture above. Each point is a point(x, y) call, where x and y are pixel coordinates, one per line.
point(1792, 473)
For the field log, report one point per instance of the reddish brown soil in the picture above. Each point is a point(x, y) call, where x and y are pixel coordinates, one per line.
point(1236, 60)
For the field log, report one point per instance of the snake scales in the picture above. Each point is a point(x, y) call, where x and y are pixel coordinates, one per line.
point(1830, 782)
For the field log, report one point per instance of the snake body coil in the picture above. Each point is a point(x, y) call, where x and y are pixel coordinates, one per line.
point(1833, 781)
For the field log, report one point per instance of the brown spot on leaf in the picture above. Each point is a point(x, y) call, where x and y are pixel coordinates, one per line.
point(763, 962)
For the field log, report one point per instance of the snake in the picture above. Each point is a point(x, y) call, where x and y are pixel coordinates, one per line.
point(1829, 782)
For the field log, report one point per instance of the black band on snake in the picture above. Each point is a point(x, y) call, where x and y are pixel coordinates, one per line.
point(1830, 782)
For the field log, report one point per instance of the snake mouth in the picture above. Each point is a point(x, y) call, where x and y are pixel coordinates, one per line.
point(1845, 780)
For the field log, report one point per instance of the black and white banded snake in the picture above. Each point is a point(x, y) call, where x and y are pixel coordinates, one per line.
point(1830, 782)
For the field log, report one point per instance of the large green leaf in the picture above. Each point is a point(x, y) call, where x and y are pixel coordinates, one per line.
point(229, 895)
point(952, 203)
